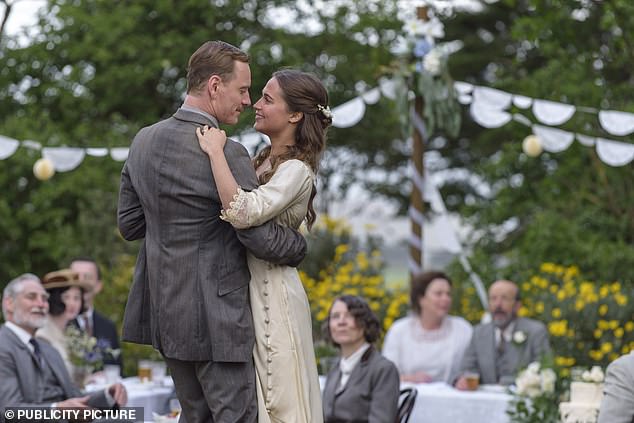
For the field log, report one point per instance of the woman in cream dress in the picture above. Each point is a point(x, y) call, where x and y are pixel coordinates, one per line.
point(293, 112)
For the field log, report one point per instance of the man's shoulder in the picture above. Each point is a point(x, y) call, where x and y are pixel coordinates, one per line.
point(530, 325)
point(625, 363)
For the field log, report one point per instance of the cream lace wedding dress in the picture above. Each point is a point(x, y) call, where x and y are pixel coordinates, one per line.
point(287, 381)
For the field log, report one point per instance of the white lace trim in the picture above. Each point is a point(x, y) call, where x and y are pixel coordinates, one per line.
point(237, 214)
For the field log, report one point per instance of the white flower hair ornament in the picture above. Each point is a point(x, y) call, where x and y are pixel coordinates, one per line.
point(325, 110)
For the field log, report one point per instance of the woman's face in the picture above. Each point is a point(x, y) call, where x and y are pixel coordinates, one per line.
point(437, 298)
point(343, 326)
point(271, 111)
point(72, 300)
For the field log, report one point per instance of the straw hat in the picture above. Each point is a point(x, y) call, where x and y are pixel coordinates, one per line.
point(63, 278)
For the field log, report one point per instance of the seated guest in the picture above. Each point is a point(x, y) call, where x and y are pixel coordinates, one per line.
point(65, 302)
point(32, 373)
point(428, 345)
point(363, 386)
point(505, 345)
point(90, 320)
point(617, 405)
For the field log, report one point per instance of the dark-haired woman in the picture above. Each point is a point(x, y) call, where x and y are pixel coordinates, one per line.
point(65, 302)
point(294, 113)
point(363, 386)
point(428, 345)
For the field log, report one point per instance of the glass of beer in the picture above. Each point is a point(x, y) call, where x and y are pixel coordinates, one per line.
point(473, 380)
point(145, 371)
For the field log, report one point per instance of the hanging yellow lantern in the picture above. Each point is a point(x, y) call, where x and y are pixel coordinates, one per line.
point(43, 169)
point(532, 146)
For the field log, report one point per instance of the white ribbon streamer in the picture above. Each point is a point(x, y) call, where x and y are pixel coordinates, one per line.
point(492, 97)
point(553, 140)
point(617, 123)
point(463, 88)
point(349, 113)
point(552, 113)
point(388, 88)
point(465, 98)
point(488, 117)
point(97, 152)
point(119, 154)
point(585, 140)
point(416, 216)
point(8, 146)
point(64, 158)
point(522, 102)
point(614, 153)
point(372, 96)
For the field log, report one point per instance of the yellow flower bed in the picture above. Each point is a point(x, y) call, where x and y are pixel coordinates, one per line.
point(589, 322)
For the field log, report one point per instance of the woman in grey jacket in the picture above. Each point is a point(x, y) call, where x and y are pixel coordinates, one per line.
point(364, 385)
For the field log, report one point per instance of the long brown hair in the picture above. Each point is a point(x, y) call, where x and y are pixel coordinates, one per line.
point(303, 92)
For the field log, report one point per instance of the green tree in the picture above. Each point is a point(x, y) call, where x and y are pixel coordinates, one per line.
point(568, 207)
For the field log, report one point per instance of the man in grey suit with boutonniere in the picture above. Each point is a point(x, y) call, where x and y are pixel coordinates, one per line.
point(32, 372)
point(617, 405)
point(190, 295)
point(500, 348)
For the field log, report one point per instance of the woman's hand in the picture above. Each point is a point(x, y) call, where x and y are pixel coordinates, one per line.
point(211, 140)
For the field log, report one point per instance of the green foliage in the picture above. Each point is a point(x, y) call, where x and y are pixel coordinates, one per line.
point(568, 207)
point(99, 70)
point(350, 267)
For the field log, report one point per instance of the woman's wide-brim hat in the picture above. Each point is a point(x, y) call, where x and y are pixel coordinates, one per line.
point(64, 278)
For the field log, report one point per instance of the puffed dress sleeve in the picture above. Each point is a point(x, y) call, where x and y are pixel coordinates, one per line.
point(292, 180)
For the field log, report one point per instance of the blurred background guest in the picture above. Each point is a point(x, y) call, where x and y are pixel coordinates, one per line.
point(65, 301)
point(90, 321)
point(501, 347)
point(363, 386)
point(428, 345)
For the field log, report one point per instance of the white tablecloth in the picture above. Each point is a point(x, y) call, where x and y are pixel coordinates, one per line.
point(441, 403)
point(151, 396)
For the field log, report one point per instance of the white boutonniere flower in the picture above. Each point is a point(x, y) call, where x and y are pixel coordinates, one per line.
point(519, 337)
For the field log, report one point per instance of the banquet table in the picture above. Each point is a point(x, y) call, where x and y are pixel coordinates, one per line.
point(441, 403)
point(153, 397)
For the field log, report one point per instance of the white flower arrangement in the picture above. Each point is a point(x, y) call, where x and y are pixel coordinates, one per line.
point(432, 62)
point(519, 337)
point(535, 381)
point(430, 30)
point(595, 375)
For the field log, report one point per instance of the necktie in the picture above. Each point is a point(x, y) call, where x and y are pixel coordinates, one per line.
point(88, 325)
point(36, 350)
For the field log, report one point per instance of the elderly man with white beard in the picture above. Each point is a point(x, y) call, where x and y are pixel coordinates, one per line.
point(32, 372)
point(502, 347)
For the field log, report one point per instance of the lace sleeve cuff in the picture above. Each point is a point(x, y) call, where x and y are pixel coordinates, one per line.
point(237, 214)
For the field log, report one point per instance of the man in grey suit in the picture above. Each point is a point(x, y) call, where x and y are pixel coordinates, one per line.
point(190, 298)
point(500, 348)
point(32, 372)
point(617, 405)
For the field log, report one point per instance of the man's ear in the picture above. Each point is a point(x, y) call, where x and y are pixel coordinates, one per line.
point(8, 305)
point(295, 117)
point(213, 83)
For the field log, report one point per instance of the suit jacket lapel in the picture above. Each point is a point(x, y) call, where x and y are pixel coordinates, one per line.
point(489, 352)
point(24, 355)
